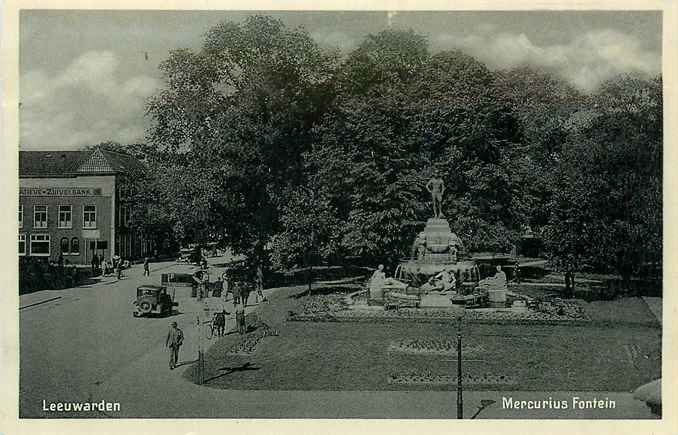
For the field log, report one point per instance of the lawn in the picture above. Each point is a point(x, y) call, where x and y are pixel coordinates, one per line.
point(375, 356)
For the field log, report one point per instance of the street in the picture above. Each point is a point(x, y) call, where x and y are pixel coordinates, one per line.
point(72, 346)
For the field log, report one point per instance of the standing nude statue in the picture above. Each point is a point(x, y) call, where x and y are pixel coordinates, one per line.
point(436, 188)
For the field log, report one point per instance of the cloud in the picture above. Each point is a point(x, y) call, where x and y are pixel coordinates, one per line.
point(84, 104)
point(585, 61)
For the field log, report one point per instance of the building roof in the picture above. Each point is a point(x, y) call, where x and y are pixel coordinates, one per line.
point(96, 161)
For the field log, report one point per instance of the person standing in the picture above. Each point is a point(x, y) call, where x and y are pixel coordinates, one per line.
point(240, 318)
point(95, 264)
point(220, 322)
point(245, 290)
point(259, 283)
point(237, 292)
point(517, 273)
point(199, 280)
point(174, 340)
point(147, 271)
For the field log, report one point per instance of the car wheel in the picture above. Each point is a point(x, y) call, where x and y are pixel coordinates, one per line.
point(145, 307)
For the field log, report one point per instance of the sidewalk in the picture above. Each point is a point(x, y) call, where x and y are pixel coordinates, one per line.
point(41, 296)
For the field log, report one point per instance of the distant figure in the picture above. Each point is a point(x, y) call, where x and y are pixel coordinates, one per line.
point(245, 290)
point(120, 267)
point(147, 271)
point(200, 278)
point(219, 322)
point(174, 340)
point(259, 284)
point(95, 264)
point(436, 188)
point(240, 318)
point(225, 285)
point(237, 292)
point(569, 283)
point(517, 273)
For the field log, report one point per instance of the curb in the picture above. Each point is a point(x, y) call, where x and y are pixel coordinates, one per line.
point(40, 302)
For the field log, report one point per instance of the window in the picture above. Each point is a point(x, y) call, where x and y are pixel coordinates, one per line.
point(21, 218)
point(22, 244)
point(65, 216)
point(64, 246)
point(98, 244)
point(75, 246)
point(40, 244)
point(40, 216)
point(89, 216)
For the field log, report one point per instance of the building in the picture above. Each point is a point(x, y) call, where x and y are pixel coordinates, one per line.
point(69, 205)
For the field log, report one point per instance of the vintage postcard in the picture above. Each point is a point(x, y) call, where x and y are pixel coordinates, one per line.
point(387, 213)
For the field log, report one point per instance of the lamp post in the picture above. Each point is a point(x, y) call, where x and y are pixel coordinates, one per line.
point(460, 394)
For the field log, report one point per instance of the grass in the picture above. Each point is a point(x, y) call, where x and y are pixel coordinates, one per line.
point(356, 356)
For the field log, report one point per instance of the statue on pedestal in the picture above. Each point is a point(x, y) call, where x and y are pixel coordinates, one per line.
point(436, 188)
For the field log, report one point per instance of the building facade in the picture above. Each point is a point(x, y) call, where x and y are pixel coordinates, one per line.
point(69, 207)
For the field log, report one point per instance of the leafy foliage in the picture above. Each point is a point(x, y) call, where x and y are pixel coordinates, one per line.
point(269, 144)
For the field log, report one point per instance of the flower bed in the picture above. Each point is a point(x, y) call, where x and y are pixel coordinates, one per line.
point(431, 346)
point(248, 344)
point(319, 304)
point(438, 315)
point(429, 378)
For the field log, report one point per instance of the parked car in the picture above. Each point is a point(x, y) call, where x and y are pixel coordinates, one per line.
point(153, 299)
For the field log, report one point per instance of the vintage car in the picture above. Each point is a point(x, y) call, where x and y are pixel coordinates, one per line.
point(153, 299)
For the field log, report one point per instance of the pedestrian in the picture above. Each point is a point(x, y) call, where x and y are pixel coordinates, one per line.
point(95, 264)
point(240, 318)
point(517, 273)
point(245, 291)
point(237, 292)
point(118, 269)
point(147, 271)
point(220, 322)
point(200, 279)
point(174, 340)
point(259, 284)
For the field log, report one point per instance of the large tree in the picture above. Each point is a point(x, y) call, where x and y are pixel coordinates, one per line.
point(236, 117)
point(607, 201)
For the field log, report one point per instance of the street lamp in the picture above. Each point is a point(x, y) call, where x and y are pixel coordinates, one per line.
point(460, 394)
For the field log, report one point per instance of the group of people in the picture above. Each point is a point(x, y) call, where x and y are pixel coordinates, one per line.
point(113, 267)
point(241, 291)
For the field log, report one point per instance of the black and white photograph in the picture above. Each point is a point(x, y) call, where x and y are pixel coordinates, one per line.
point(340, 214)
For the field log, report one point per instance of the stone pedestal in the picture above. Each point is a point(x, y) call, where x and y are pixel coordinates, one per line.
point(438, 236)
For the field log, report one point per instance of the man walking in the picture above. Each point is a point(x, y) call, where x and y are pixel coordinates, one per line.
point(174, 340)
point(147, 271)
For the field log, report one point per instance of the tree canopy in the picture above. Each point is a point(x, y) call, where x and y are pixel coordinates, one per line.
point(280, 149)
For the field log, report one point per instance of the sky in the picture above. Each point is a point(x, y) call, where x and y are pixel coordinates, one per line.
point(85, 76)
